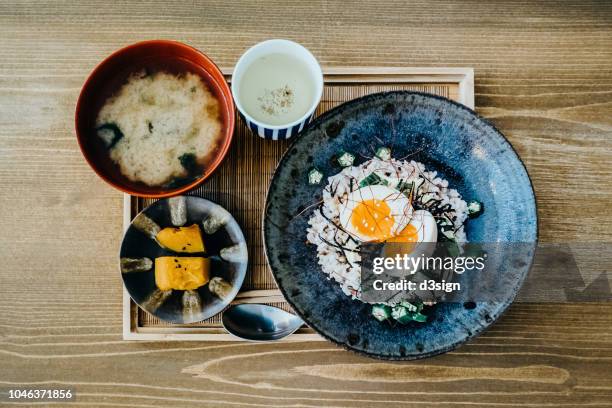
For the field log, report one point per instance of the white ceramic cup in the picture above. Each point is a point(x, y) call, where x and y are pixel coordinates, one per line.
point(277, 46)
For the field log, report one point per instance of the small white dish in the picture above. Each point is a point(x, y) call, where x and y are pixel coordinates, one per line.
point(277, 85)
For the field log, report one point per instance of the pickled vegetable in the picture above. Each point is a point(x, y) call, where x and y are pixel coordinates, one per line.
point(135, 265)
point(192, 305)
point(216, 220)
point(146, 225)
point(156, 299)
point(236, 253)
point(220, 287)
point(178, 210)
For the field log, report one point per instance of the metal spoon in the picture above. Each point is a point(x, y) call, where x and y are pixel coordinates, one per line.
point(255, 322)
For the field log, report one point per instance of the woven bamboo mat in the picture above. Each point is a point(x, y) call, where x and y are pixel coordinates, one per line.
point(240, 185)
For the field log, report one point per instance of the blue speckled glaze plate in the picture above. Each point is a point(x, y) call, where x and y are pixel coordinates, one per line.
point(447, 137)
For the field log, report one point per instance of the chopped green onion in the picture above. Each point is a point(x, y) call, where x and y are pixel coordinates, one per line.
point(405, 187)
point(449, 234)
point(474, 208)
point(371, 180)
point(315, 176)
point(346, 159)
point(383, 153)
point(401, 314)
point(418, 317)
point(411, 307)
point(404, 315)
point(381, 312)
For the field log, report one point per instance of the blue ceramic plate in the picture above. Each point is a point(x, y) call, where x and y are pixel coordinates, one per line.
point(447, 137)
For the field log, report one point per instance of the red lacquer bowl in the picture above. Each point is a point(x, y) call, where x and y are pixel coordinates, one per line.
point(107, 78)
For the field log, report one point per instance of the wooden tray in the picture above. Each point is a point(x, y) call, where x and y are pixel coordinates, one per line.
point(240, 185)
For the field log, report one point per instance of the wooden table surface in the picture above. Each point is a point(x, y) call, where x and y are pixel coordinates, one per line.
point(543, 76)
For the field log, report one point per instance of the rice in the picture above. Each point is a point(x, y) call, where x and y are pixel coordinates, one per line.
point(337, 252)
point(161, 117)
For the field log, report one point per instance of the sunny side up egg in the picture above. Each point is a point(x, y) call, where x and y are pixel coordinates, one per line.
point(381, 214)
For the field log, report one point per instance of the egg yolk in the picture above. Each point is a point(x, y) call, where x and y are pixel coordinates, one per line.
point(403, 244)
point(373, 218)
point(408, 234)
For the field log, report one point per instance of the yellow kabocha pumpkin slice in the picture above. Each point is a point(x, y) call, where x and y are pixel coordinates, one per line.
point(182, 239)
point(181, 273)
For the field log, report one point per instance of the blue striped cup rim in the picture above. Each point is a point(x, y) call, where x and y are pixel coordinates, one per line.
point(302, 121)
point(276, 134)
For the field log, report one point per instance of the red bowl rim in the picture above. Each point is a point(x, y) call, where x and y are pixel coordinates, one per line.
point(228, 137)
